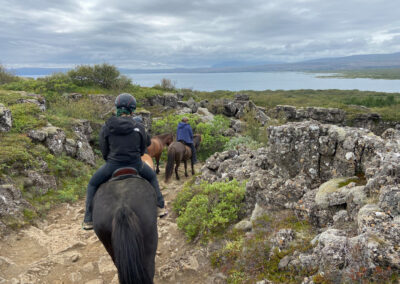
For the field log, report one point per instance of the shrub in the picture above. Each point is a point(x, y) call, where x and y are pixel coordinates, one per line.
point(254, 129)
point(14, 153)
point(57, 82)
point(25, 117)
point(242, 140)
point(26, 84)
point(6, 77)
point(82, 75)
point(166, 84)
point(212, 136)
point(102, 75)
point(207, 209)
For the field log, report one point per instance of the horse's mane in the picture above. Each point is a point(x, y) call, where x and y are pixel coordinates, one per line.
point(163, 135)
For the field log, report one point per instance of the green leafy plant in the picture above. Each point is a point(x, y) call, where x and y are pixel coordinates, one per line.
point(26, 116)
point(207, 209)
point(212, 136)
point(233, 143)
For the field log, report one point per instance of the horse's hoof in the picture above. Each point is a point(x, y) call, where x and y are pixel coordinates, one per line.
point(162, 212)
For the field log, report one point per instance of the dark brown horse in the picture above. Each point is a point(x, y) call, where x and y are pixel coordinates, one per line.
point(125, 221)
point(178, 152)
point(157, 146)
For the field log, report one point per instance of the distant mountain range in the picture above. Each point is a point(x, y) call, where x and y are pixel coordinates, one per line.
point(355, 62)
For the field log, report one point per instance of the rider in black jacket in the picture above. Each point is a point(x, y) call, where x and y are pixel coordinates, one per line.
point(123, 141)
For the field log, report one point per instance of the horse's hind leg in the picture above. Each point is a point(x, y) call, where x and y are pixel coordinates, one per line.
point(185, 163)
point(191, 162)
point(176, 169)
point(158, 163)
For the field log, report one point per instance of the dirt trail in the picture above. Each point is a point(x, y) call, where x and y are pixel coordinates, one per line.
point(56, 250)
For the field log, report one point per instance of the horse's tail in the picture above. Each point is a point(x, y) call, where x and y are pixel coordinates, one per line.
point(170, 163)
point(127, 244)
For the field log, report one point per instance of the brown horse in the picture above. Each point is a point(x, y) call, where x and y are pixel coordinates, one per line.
point(157, 146)
point(148, 160)
point(178, 152)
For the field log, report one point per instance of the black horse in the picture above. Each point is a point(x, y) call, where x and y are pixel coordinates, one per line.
point(125, 221)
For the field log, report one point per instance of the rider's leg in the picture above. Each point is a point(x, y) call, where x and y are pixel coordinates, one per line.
point(194, 159)
point(151, 176)
point(100, 176)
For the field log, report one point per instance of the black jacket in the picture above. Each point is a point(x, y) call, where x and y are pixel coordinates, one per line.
point(123, 140)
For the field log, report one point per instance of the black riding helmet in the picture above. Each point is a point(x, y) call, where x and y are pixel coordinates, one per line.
point(125, 101)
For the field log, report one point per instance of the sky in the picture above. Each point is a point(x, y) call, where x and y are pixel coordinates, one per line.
point(147, 34)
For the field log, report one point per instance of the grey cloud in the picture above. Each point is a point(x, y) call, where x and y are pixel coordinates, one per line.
point(192, 33)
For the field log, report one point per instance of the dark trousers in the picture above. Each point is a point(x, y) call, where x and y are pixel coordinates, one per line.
point(191, 145)
point(105, 172)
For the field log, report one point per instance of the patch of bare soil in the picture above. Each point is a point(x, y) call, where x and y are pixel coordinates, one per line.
point(56, 250)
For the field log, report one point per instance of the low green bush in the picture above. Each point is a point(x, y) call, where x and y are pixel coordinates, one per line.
point(6, 76)
point(234, 142)
point(14, 152)
point(212, 136)
point(208, 209)
point(26, 116)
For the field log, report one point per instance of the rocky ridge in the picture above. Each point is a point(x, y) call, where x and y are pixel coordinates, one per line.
point(344, 180)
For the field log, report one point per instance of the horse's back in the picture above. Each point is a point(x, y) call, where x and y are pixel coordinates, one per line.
point(155, 147)
point(134, 193)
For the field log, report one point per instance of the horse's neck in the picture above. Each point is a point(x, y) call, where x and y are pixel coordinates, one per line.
point(163, 137)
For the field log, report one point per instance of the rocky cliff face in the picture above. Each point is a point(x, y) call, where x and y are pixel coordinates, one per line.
point(344, 180)
point(5, 119)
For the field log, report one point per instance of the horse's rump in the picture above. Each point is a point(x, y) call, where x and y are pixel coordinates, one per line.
point(148, 160)
point(125, 220)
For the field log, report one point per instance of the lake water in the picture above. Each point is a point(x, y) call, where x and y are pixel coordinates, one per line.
point(263, 81)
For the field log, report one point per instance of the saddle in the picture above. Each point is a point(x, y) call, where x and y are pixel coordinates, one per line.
point(123, 173)
point(184, 144)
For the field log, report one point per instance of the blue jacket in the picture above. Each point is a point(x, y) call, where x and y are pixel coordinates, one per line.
point(184, 132)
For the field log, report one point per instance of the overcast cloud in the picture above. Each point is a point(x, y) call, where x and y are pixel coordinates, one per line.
point(184, 33)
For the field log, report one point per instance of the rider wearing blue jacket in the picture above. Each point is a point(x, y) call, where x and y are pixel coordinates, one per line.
point(184, 134)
